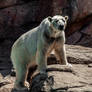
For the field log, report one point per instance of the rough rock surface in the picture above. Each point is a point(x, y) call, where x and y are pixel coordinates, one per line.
point(76, 54)
point(60, 78)
point(63, 79)
point(79, 54)
point(18, 16)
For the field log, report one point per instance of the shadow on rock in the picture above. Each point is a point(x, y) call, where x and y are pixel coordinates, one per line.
point(14, 90)
point(41, 83)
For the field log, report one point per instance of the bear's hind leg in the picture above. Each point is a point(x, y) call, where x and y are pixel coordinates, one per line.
point(21, 74)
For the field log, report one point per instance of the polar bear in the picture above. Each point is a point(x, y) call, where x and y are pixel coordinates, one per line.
point(33, 47)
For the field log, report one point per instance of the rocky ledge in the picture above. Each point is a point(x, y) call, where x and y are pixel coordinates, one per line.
point(60, 78)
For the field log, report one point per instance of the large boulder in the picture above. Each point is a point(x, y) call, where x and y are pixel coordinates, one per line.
point(75, 55)
point(17, 17)
point(60, 79)
point(14, 16)
point(80, 25)
point(63, 79)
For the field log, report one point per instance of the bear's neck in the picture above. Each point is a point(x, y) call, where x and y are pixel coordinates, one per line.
point(48, 35)
point(48, 38)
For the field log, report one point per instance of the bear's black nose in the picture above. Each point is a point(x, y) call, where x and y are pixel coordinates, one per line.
point(61, 27)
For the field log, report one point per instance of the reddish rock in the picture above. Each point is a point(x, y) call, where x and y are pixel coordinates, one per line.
point(87, 30)
point(15, 15)
point(82, 37)
point(74, 38)
point(63, 79)
point(81, 17)
point(84, 8)
point(7, 3)
point(58, 6)
point(81, 22)
point(80, 9)
point(18, 13)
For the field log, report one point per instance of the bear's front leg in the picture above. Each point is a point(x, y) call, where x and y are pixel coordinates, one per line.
point(41, 61)
point(61, 54)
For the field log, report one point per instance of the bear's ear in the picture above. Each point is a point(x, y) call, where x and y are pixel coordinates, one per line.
point(66, 18)
point(49, 18)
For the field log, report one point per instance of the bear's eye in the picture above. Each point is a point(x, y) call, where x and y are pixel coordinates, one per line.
point(63, 20)
point(56, 21)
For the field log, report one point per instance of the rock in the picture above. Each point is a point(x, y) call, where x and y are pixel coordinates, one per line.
point(79, 54)
point(78, 77)
point(61, 80)
point(80, 16)
point(86, 41)
point(80, 23)
point(14, 14)
point(75, 54)
point(87, 30)
point(74, 38)
point(90, 65)
point(80, 38)
point(85, 8)
point(1, 76)
point(6, 84)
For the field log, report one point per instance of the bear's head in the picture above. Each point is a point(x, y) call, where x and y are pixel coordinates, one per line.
point(58, 24)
